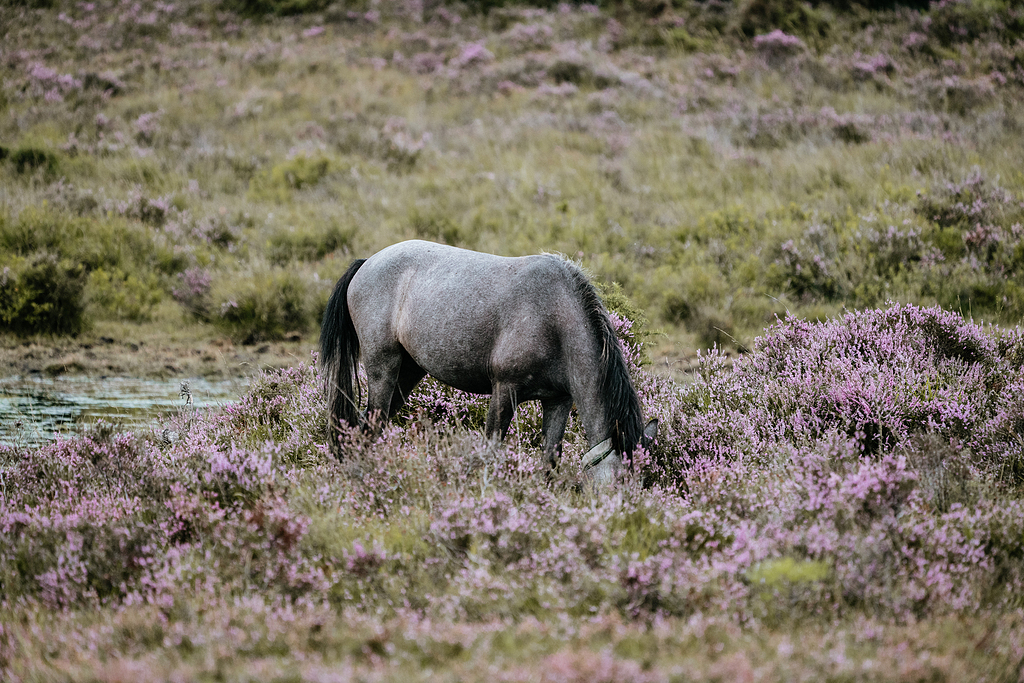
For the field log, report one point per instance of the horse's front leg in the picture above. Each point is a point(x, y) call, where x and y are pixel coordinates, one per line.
point(556, 415)
point(500, 411)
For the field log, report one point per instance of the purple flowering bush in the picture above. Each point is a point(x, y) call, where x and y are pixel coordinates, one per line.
point(192, 291)
point(864, 470)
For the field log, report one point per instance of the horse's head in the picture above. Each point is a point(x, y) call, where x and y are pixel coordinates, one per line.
point(602, 464)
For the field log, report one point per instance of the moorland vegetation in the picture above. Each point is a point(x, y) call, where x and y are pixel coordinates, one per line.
point(843, 502)
point(831, 188)
point(219, 165)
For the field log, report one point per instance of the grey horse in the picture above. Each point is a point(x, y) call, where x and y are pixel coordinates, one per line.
point(519, 329)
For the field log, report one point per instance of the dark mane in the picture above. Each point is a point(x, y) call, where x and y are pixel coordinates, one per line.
point(622, 406)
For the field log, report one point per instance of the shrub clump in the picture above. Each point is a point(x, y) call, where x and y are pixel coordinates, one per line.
point(124, 296)
point(965, 21)
point(281, 180)
point(880, 378)
point(281, 8)
point(42, 294)
point(94, 242)
point(60, 262)
point(30, 159)
point(263, 306)
point(307, 243)
point(192, 291)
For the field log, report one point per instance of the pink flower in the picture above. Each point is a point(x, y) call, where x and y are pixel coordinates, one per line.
point(473, 54)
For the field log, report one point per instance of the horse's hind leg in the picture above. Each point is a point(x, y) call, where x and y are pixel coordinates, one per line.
point(382, 372)
point(500, 411)
point(409, 375)
point(556, 415)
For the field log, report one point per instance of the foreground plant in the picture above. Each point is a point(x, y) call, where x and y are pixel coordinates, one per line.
point(866, 498)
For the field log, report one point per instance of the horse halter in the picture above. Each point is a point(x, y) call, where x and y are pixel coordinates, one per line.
point(598, 454)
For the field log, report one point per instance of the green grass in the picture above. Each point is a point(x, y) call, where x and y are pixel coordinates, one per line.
point(678, 173)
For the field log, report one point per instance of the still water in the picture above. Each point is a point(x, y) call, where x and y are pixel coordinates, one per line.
point(34, 409)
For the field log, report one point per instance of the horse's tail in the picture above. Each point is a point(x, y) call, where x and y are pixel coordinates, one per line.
point(339, 359)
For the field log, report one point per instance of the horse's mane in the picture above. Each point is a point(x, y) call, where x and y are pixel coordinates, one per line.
point(622, 406)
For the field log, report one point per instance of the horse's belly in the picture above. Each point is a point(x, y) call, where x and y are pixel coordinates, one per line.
point(475, 364)
point(457, 364)
point(473, 385)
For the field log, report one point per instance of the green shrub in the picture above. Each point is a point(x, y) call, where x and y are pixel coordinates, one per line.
point(784, 587)
point(31, 159)
point(791, 16)
point(575, 71)
point(690, 288)
point(124, 296)
point(307, 243)
point(437, 228)
point(713, 327)
point(282, 8)
point(801, 270)
point(42, 295)
point(281, 180)
point(94, 242)
point(39, 228)
point(616, 301)
point(654, 23)
point(787, 570)
point(969, 20)
point(31, 4)
point(263, 306)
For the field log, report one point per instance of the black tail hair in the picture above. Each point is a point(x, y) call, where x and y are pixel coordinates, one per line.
point(339, 360)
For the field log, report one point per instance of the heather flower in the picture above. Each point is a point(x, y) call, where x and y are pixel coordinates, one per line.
point(914, 40)
point(877, 65)
point(193, 291)
point(472, 54)
point(147, 125)
point(778, 46)
point(49, 84)
point(525, 37)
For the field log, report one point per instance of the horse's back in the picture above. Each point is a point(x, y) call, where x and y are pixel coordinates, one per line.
point(436, 278)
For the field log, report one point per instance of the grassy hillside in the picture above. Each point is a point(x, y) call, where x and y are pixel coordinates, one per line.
point(170, 162)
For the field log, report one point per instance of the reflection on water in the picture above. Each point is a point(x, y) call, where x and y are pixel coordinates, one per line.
point(34, 409)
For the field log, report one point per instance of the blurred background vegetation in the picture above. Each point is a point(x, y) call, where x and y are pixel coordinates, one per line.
point(215, 167)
